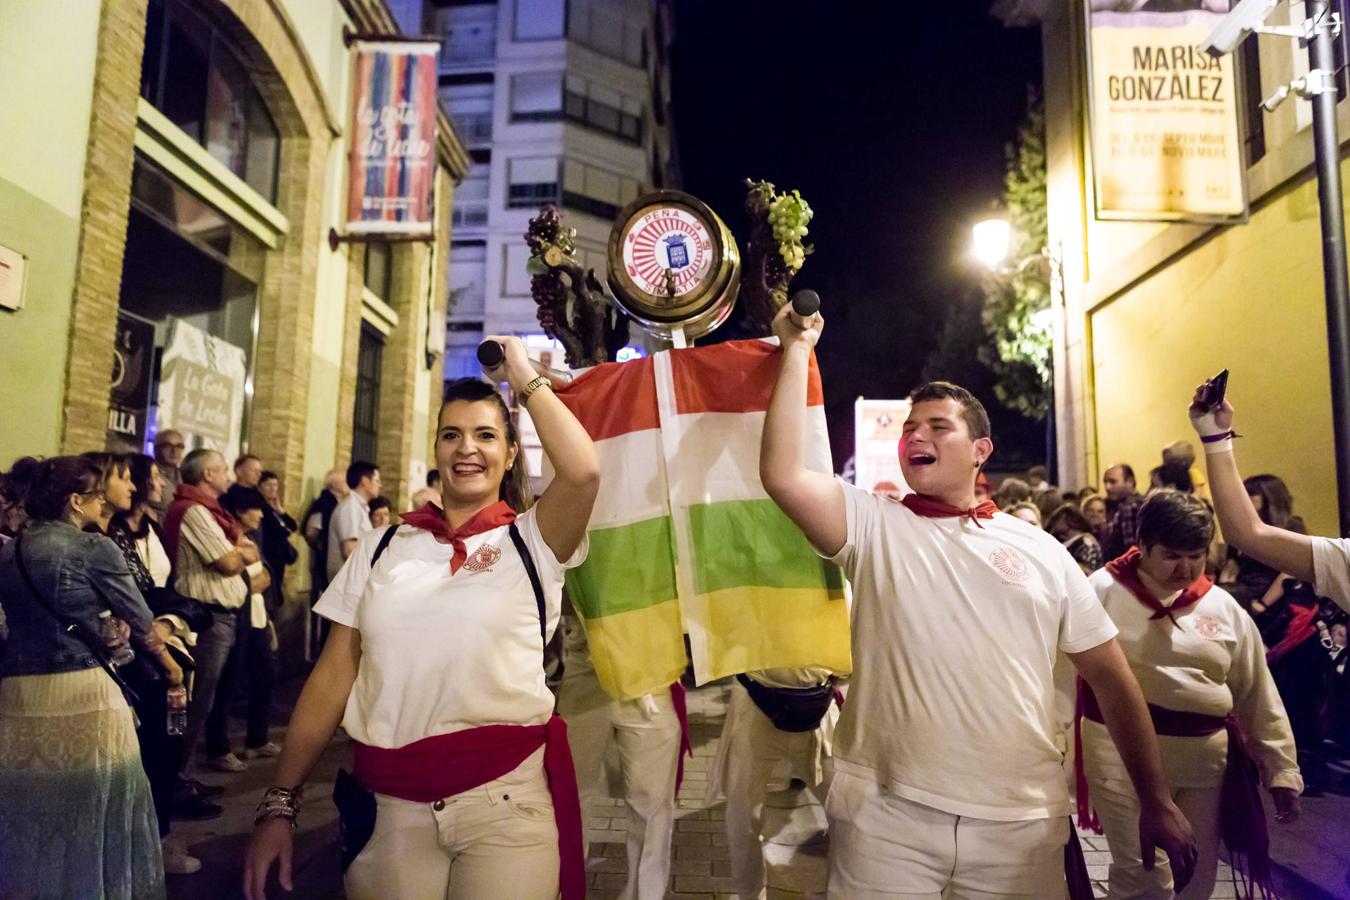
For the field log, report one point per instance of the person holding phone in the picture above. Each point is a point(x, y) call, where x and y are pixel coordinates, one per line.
point(1323, 561)
point(463, 785)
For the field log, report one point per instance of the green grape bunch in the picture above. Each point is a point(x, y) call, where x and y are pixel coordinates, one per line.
point(789, 216)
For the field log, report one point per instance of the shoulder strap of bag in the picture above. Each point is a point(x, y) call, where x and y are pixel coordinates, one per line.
point(534, 581)
point(384, 542)
point(72, 627)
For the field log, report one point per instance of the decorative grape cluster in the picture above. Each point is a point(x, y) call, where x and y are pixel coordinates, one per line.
point(547, 229)
point(789, 215)
point(550, 296)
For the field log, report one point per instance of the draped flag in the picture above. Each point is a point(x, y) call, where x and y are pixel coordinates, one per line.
point(683, 536)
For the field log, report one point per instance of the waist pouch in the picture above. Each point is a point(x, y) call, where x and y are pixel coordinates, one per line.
point(356, 815)
point(791, 709)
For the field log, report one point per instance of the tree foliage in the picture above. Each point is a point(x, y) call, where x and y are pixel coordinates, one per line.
point(1017, 303)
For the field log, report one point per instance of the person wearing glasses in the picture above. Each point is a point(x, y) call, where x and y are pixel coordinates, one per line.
point(169, 448)
point(76, 814)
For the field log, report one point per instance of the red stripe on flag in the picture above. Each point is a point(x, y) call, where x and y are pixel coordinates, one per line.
point(613, 399)
point(737, 376)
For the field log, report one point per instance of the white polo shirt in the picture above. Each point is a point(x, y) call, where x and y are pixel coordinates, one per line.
point(439, 652)
point(955, 633)
point(350, 520)
point(1210, 662)
point(1331, 569)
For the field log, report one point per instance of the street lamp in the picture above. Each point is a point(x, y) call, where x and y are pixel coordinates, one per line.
point(991, 245)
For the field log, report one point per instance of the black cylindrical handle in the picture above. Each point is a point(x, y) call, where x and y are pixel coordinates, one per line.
point(805, 303)
point(491, 354)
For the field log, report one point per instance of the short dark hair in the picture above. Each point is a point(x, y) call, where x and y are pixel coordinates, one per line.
point(55, 480)
point(1070, 515)
point(378, 503)
point(1175, 520)
point(433, 477)
point(1038, 472)
point(267, 475)
point(245, 458)
point(239, 502)
point(972, 410)
point(1176, 475)
point(1125, 469)
point(358, 471)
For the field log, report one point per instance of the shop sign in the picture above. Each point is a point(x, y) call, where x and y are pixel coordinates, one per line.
point(12, 266)
point(129, 395)
point(1165, 125)
point(392, 166)
point(201, 390)
point(878, 426)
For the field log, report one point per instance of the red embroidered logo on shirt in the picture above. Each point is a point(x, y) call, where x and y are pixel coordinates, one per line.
point(1207, 627)
point(1010, 564)
point(482, 559)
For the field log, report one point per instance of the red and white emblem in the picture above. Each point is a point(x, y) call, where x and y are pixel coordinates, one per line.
point(1010, 564)
point(483, 559)
point(668, 240)
point(1207, 627)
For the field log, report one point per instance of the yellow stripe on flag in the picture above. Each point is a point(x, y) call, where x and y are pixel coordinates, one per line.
point(752, 628)
point(637, 652)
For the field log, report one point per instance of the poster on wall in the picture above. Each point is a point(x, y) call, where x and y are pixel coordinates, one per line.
point(1164, 115)
point(392, 167)
point(877, 428)
point(201, 389)
point(129, 391)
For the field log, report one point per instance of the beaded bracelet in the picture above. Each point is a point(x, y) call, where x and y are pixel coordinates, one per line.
point(279, 803)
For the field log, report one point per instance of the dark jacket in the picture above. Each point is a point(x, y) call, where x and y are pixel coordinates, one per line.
point(78, 574)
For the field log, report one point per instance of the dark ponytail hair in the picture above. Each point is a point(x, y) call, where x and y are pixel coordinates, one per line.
point(515, 486)
point(53, 483)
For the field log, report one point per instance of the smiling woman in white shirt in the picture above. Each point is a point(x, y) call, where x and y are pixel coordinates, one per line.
point(434, 668)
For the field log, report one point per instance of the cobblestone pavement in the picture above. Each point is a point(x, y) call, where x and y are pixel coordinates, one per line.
point(1312, 858)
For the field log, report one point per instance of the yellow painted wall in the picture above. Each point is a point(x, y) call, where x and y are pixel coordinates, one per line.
point(1250, 299)
point(47, 54)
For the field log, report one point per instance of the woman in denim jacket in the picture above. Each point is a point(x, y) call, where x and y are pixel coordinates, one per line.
point(76, 817)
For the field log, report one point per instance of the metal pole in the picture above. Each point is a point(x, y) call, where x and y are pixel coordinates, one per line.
point(1326, 142)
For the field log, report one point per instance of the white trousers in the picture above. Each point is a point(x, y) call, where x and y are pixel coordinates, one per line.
point(646, 734)
point(497, 840)
point(882, 845)
point(750, 752)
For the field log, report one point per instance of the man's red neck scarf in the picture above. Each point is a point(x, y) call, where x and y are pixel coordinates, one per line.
point(428, 517)
point(1125, 569)
point(933, 508)
point(186, 497)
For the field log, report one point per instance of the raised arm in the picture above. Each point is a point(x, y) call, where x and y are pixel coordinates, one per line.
point(1161, 823)
point(1287, 551)
point(813, 500)
point(317, 715)
point(564, 510)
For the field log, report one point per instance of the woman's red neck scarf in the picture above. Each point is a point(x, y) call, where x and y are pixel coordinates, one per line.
point(186, 497)
point(428, 517)
point(933, 508)
point(1125, 569)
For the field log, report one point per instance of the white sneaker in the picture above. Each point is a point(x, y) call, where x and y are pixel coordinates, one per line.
point(268, 750)
point(227, 763)
point(177, 861)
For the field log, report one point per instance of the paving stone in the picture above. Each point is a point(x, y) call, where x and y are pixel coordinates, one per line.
point(705, 883)
point(705, 852)
point(691, 867)
point(610, 881)
point(705, 825)
point(691, 839)
point(607, 837)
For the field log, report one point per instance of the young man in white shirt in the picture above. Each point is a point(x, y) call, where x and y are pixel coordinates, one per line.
point(948, 780)
point(351, 519)
point(1199, 658)
point(1325, 562)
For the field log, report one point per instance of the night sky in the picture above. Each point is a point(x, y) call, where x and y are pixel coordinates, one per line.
point(892, 120)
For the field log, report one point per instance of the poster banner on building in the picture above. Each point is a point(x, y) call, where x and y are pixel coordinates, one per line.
point(201, 389)
point(391, 171)
point(1165, 120)
point(129, 393)
point(877, 428)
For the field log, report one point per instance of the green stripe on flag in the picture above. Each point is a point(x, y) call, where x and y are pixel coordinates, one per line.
point(628, 568)
point(742, 543)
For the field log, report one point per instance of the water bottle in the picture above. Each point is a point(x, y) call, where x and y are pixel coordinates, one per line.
point(119, 651)
point(177, 703)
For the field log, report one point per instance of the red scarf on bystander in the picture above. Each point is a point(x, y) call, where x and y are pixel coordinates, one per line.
point(428, 517)
point(187, 496)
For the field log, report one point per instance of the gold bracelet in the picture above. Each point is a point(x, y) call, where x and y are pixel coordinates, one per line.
point(533, 386)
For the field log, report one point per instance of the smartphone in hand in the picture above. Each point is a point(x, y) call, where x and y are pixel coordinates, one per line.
point(1214, 391)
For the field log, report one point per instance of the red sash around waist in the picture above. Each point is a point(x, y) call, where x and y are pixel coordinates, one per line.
point(1242, 816)
point(448, 764)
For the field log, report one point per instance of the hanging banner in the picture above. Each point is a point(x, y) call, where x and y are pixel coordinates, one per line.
point(878, 426)
point(129, 391)
point(392, 167)
point(201, 389)
point(1166, 130)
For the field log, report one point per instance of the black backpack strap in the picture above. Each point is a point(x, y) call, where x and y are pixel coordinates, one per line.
point(384, 542)
point(534, 581)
